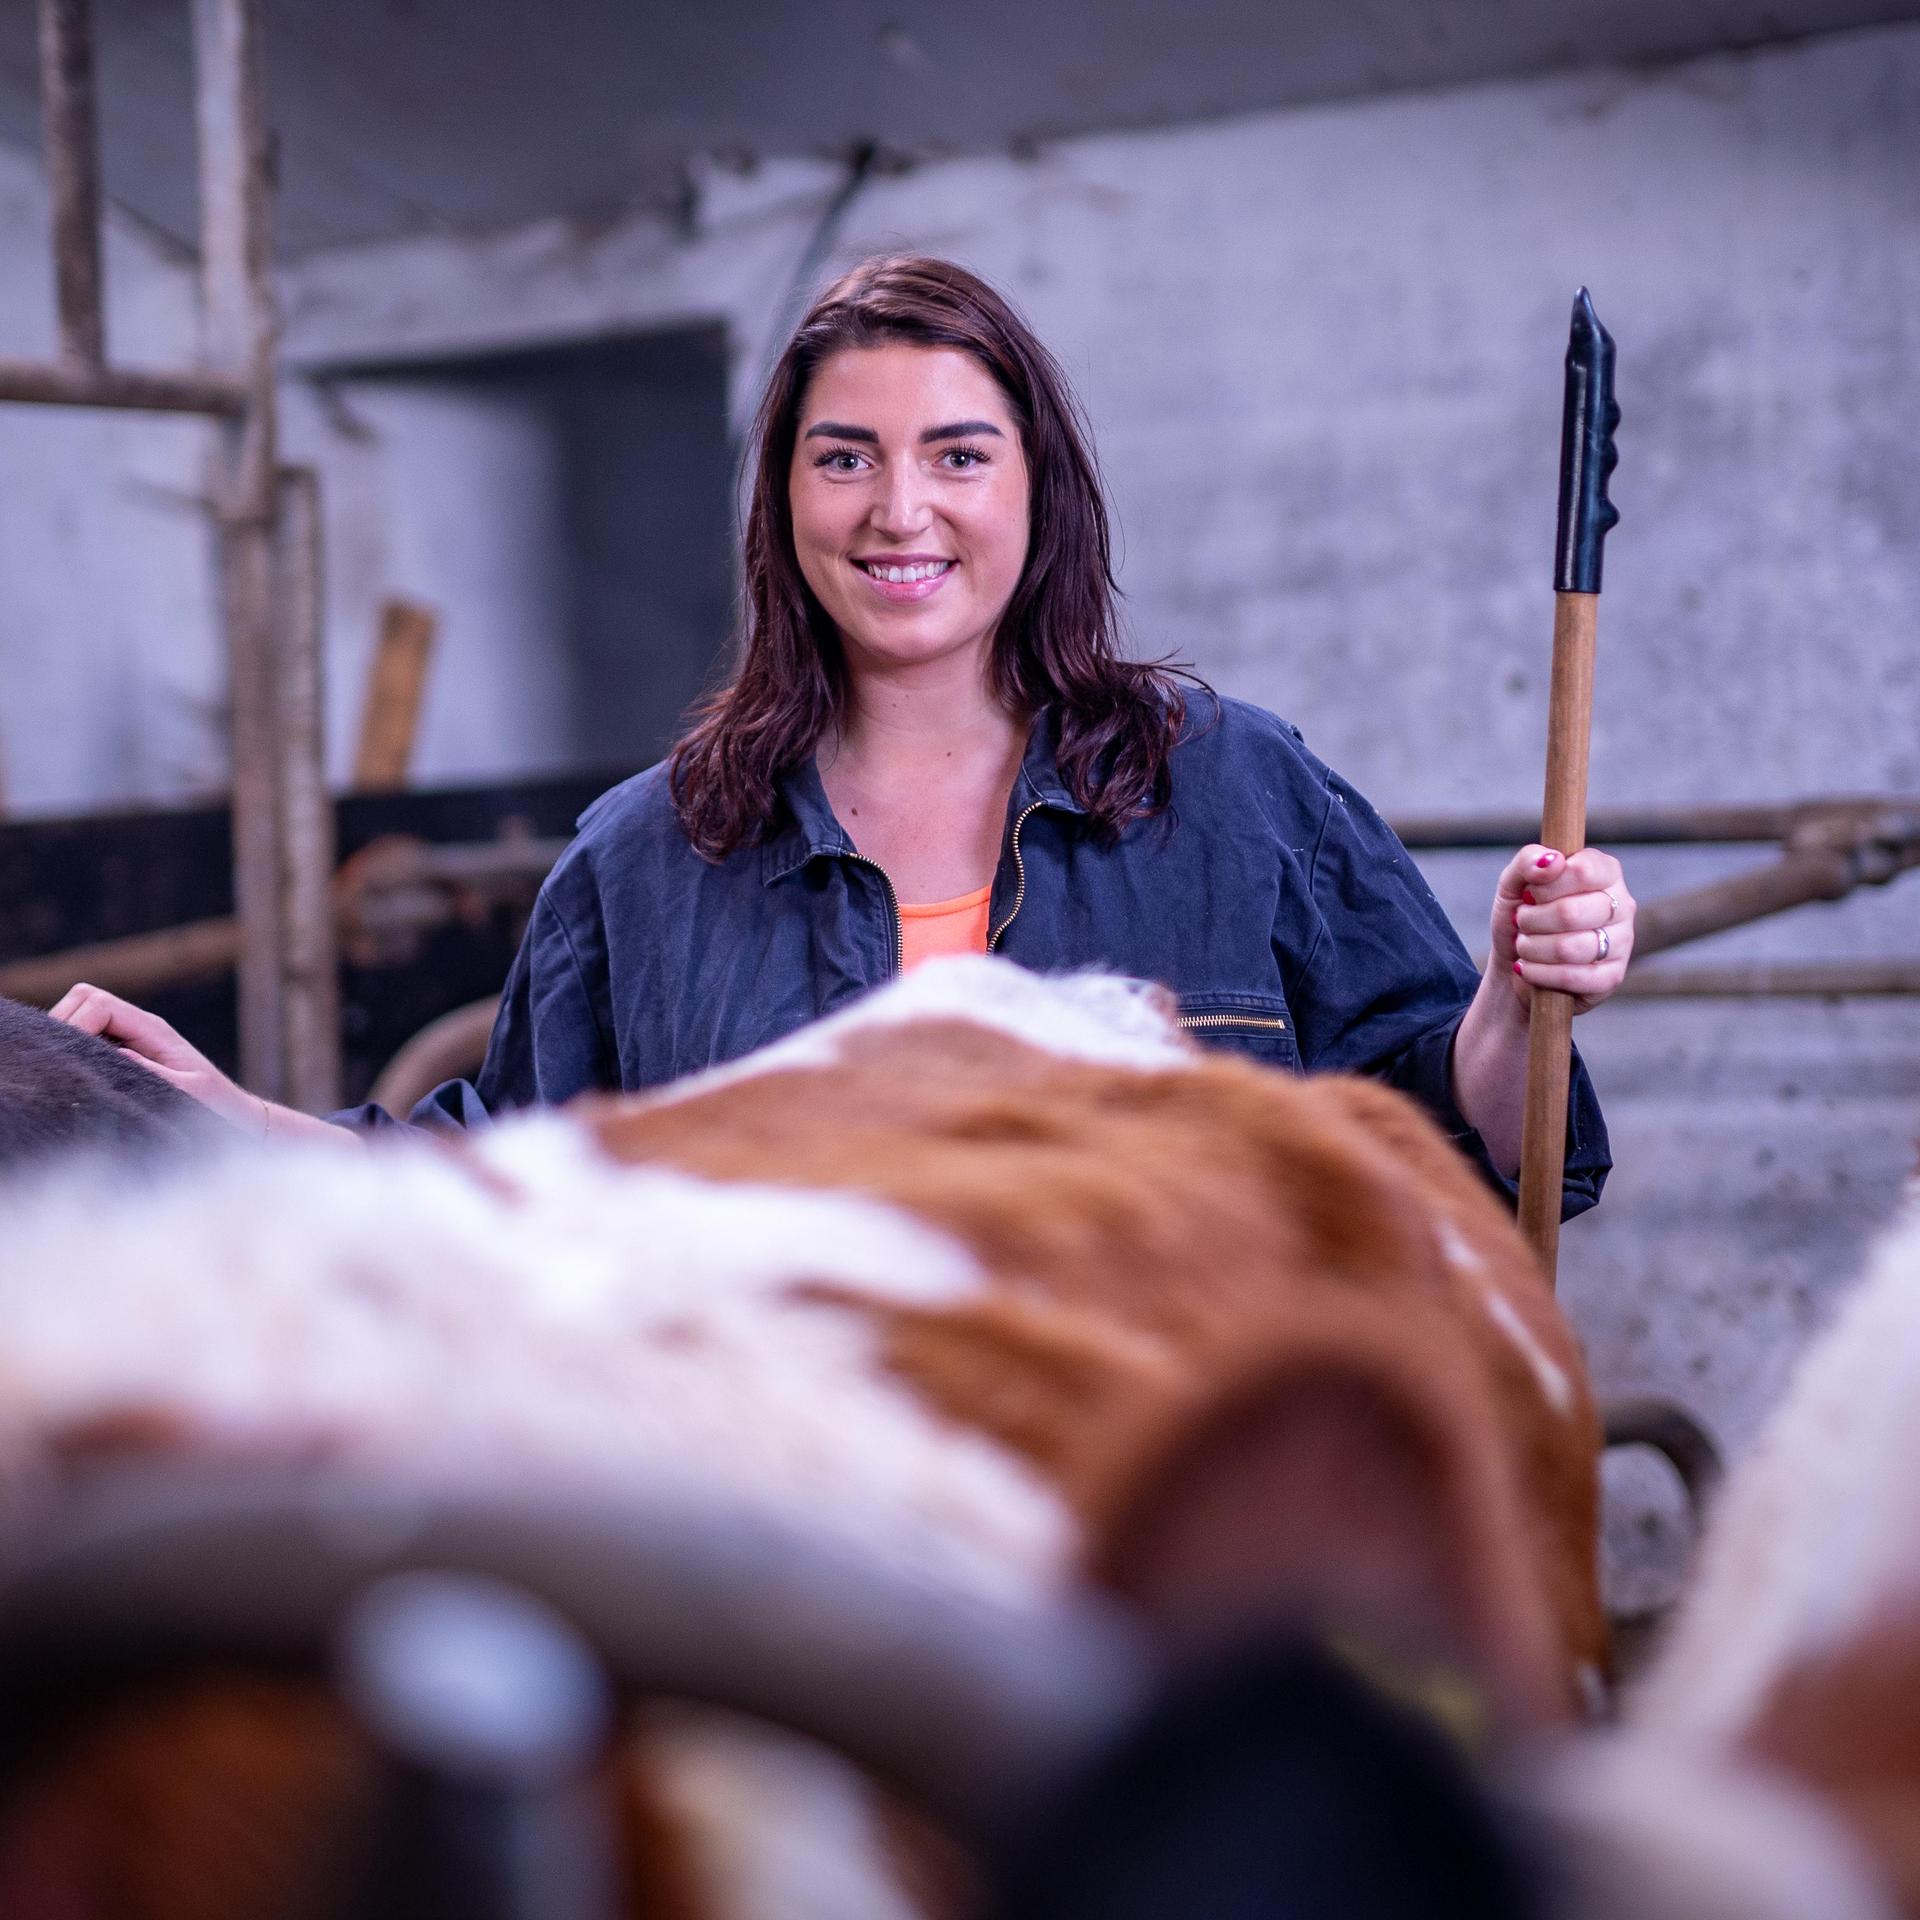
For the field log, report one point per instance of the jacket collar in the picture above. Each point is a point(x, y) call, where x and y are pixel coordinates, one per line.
point(811, 831)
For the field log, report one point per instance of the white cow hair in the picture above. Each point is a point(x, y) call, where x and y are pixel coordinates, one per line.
point(1818, 1530)
point(775, 1827)
point(1640, 1831)
point(1104, 1019)
point(541, 1313)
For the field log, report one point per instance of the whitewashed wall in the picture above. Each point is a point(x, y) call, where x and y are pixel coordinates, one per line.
point(111, 677)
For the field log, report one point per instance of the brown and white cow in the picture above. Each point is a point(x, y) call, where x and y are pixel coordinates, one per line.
point(994, 1277)
point(1768, 1767)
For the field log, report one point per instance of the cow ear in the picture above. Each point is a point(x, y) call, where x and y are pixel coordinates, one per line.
point(1341, 1492)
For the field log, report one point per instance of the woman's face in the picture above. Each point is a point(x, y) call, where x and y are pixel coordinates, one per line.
point(909, 498)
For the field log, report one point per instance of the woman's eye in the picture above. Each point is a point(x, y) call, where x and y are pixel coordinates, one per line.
point(840, 460)
point(962, 458)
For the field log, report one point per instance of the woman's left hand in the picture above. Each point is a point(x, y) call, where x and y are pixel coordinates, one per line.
point(1563, 923)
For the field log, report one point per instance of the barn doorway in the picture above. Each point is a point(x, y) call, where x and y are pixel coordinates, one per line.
point(566, 513)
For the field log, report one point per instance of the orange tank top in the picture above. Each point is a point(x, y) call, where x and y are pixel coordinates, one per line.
point(947, 926)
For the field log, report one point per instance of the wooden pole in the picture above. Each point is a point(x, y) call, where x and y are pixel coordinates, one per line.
point(304, 813)
point(238, 308)
point(1563, 826)
point(1587, 456)
point(73, 178)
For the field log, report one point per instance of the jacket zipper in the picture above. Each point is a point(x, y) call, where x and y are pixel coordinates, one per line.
point(1020, 874)
point(1257, 1022)
point(893, 900)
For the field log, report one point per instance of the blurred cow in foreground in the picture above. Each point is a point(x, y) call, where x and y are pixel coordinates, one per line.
point(1768, 1767)
point(991, 1276)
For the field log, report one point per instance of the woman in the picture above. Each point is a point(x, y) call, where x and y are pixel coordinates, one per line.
point(933, 743)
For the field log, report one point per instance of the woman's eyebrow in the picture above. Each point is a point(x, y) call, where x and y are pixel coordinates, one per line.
point(953, 430)
point(961, 430)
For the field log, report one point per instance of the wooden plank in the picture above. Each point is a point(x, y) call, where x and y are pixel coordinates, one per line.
point(390, 718)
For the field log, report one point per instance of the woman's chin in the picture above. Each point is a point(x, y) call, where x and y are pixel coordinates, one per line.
point(896, 644)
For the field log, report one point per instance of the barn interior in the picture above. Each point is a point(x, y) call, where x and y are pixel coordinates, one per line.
point(1308, 265)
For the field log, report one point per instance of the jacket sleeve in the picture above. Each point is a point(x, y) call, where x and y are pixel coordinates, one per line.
point(1378, 983)
point(550, 1039)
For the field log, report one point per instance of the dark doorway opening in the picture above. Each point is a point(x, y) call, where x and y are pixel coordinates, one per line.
point(567, 511)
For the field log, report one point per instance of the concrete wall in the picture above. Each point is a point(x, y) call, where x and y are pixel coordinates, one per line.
point(112, 683)
point(1322, 353)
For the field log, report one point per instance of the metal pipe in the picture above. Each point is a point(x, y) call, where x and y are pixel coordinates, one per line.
point(1663, 826)
point(1764, 980)
point(72, 142)
point(143, 1574)
point(1803, 874)
point(31, 383)
point(238, 307)
point(304, 814)
point(392, 891)
point(133, 967)
point(450, 1048)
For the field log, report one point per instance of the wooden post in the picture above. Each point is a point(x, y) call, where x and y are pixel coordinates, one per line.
point(238, 308)
point(390, 719)
point(1563, 826)
point(73, 178)
point(304, 813)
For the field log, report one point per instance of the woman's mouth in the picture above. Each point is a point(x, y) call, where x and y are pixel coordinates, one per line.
point(906, 579)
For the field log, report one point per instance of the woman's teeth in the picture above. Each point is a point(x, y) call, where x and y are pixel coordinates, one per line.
point(928, 570)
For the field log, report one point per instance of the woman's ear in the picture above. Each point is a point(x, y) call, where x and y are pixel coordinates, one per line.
point(1343, 1489)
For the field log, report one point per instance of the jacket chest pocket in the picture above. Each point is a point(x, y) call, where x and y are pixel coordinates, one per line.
point(1254, 1024)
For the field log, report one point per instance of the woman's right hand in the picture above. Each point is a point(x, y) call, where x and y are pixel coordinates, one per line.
point(145, 1037)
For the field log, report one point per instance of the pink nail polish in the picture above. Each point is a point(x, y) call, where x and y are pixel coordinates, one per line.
point(1526, 894)
point(1545, 860)
point(1516, 966)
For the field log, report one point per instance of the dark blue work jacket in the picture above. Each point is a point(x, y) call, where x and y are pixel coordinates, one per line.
point(1292, 924)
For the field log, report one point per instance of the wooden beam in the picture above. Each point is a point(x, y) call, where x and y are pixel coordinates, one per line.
point(37, 385)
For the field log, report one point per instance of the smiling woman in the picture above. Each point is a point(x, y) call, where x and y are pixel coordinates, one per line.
point(934, 742)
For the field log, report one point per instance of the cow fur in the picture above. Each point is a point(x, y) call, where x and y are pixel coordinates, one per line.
point(62, 1091)
point(954, 1277)
point(1769, 1764)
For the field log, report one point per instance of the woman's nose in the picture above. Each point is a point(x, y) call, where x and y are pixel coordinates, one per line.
point(904, 506)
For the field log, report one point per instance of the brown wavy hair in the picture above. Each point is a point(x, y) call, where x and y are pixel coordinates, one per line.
point(1057, 645)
